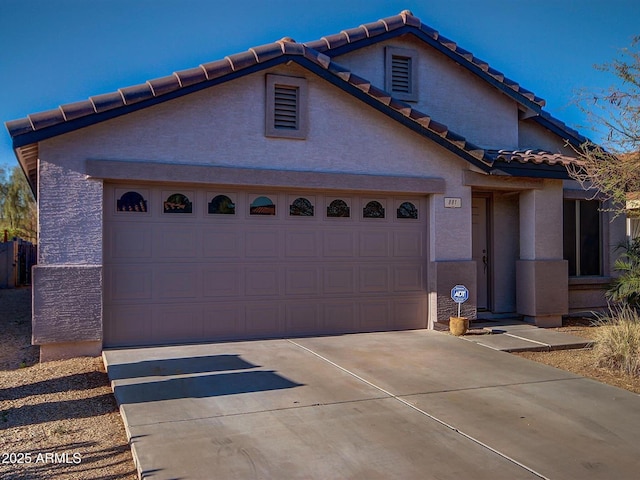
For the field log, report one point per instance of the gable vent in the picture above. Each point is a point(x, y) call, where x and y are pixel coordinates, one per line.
point(286, 108)
point(400, 74)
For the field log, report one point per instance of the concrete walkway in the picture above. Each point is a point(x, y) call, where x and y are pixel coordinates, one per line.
point(518, 336)
point(407, 405)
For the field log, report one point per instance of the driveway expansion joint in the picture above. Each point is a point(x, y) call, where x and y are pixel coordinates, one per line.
point(424, 412)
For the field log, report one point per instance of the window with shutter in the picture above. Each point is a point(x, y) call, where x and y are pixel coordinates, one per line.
point(401, 73)
point(286, 107)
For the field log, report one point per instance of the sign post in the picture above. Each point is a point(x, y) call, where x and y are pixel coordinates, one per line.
point(459, 294)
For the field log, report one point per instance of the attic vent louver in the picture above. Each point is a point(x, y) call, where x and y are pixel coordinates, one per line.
point(400, 74)
point(286, 107)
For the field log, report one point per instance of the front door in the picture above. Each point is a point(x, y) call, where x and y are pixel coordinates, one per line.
point(480, 249)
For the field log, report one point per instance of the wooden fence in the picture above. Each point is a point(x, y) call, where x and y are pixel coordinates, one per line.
point(16, 259)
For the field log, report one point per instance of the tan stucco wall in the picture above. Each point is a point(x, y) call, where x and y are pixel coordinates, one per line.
point(449, 93)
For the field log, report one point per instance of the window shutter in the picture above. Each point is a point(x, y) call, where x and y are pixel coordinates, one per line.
point(285, 108)
point(401, 74)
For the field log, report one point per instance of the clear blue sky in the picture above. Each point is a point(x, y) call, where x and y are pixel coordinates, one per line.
point(61, 51)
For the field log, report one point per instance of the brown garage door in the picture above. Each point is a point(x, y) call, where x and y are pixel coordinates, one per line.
point(185, 264)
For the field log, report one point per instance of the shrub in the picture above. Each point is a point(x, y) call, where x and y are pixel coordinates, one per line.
point(617, 343)
point(626, 287)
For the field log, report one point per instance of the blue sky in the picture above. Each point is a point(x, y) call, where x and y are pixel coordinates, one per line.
point(61, 51)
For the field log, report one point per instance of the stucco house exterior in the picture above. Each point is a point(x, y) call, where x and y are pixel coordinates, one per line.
point(341, 185)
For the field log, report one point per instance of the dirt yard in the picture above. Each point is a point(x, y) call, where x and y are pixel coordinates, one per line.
point(60, 419)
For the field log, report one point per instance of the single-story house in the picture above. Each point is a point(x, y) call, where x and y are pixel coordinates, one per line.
point(340, 185)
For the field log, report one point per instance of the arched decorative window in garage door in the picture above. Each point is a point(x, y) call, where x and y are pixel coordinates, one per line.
point(131, 202)
point(338, 209)
point(178, 203)
point(301, 207)
point(262, 206)
point(222, 205)
point(373, 209)
point(407, 210)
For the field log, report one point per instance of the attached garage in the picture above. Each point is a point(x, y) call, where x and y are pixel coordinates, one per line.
point(187, 264)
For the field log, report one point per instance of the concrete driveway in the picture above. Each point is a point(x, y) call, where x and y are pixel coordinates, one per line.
point(406, 405)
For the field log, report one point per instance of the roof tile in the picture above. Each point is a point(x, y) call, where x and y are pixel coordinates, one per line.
point(163, 85)
point(379, 94)
point(191, 76)
point(336, 40)
point(107, 101)
point(293, 48)
point(355, 34)
point(402, 107)
point(217, 69)
point(320, 45)
point(267, 52)
point(361, 83)
point(467, 55)
point(438, 128)
point(19, 126)
point(242, 60)
point(496, 74)
point(420, 117)
point(77, 109)
point(409, 19)
point(375, 28)
point(136, 93)
point(46, 119)
point(450, 44)
point(393, 23)
point(317, 57)
point(340, 71)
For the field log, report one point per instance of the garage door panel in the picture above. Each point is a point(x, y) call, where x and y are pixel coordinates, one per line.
point(264, 319)
point(222, 244)
point(182, 241)
point(224, 321)
point(129, 282)
point(375, 315)
point(262, 244)
point(262, 281)
point(409, 313)
point(408, 278)
point(176, 282)
point(340, 317)
point(302, 318)
point(374, 243)
point(339, 243)
point(374, 278)
point(339, 279)
point(301, 244)
point(128, 324)
point(222, 281)
point(127, 240)
point(302, 280)
point(177, 323)
point(408, 243)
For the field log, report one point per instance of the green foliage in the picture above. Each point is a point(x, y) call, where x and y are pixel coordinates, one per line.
point(625, 288)
point(17, 206)
point(617, 344)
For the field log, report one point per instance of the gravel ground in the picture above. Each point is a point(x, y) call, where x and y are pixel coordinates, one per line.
point(59, 419)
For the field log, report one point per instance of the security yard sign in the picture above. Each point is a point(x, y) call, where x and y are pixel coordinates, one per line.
point(459, 294)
